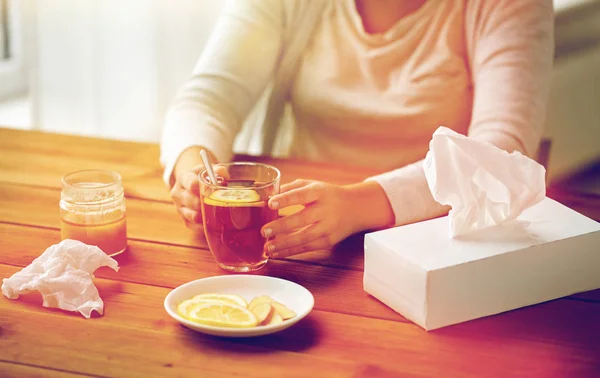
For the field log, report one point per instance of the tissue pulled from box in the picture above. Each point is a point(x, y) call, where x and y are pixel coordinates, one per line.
point(63, 274)
point(485, 185)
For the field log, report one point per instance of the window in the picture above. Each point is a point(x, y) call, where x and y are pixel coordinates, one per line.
point(4, 39)
point(13, 72)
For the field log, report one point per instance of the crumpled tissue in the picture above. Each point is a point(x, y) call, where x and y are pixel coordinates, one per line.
point(485, 185)
point(63, 274)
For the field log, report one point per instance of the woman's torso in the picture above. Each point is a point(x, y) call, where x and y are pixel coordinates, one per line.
point(377, 99)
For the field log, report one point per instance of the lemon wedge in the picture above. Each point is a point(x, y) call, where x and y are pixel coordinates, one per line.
point(221, 314)
point(274, 319)
point(259, 300)
point(263, 312)
point(285, 312)
point(227, 298)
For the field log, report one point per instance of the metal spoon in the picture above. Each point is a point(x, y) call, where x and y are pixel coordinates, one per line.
point(211, 174)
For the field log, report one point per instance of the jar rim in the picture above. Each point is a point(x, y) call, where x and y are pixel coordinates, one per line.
point(116, 178)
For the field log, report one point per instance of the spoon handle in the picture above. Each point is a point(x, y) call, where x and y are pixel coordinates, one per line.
point(208, 166)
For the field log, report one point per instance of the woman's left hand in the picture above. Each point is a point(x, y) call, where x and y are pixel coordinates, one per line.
point(327, 218)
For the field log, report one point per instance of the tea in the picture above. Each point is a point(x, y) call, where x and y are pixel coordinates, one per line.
point(234, 209)
point(233, 220)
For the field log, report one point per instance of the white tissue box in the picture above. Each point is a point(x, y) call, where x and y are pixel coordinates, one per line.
point(551, 251)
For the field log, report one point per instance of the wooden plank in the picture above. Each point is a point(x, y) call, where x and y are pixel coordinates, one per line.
point(142, 215)
point(108, 349)
point(41, 209)
point(144, 181)
point(292, 169)
point(554, 339)
point(9, 369)
point(31, 158)
point(558, 338)
point(153, 221)
point(335, 290)
point(42, 159)
point(148, 221)
point(586, 204)
point(134, 316)
point(590, 296)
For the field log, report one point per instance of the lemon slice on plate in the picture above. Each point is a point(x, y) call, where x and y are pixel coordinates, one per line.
point(221, 314)
point(186, 306)
point(234, 197)
point(227, 298)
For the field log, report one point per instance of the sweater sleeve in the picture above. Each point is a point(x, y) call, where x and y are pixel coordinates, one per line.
point(511, 47)
point(231, 74)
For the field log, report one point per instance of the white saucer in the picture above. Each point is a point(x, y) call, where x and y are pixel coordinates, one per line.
point(292, 295)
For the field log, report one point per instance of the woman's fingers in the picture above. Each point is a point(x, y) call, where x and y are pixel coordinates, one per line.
point(295, 239)
point(185, 195)
point(303, 218)
point(221, 171)
point(189, 181)
point(197, 227)
point(302, 231)
point(298, 196)
point(319, 244)
point(191, 215)
point(189, 200)
point(293, 185)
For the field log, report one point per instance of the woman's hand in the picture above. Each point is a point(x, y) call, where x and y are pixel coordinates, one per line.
point(186, 196)
point(331, 213)
point(186, 188)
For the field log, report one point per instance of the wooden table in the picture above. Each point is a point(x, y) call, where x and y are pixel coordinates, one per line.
point(348, 334)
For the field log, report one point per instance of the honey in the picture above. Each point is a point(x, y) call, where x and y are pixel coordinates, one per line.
point(109, 237)
point(92, 208)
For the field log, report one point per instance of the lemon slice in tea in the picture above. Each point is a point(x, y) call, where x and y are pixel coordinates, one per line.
point(220, 314)
point(234, 197)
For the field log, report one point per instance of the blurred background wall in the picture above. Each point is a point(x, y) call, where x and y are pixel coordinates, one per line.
point(109, 68)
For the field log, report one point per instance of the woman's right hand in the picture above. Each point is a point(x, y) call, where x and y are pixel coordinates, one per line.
point(186, 196)
point(186, 189)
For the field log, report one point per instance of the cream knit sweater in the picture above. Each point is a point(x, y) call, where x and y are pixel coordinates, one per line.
point(480, 67)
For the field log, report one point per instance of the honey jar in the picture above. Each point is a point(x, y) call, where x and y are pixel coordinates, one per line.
point(92, 210)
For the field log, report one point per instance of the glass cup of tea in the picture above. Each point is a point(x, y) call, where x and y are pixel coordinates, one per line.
point(234, 211)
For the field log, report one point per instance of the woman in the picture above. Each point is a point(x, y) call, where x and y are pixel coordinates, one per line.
point(368, 81)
